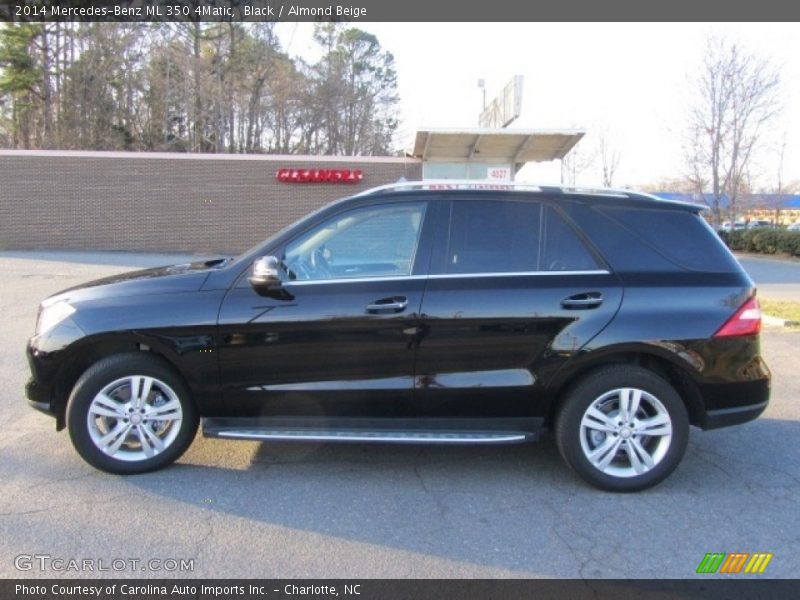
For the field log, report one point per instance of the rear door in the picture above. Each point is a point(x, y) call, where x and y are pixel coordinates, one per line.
point(513, 292)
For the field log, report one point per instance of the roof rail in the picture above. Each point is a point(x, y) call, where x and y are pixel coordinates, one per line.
point(587, 191)
point(450, 184)
point(485, 184)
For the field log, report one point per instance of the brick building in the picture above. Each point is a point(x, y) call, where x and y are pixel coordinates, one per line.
point(224, 203)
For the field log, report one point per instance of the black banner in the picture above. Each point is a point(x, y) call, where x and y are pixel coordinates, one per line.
point(393, 589)
point(407, 10)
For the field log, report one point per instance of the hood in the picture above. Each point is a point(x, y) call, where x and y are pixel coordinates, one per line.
point(159, 280)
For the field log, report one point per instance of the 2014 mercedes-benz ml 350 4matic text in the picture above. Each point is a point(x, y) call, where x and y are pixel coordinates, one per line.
point(421, 312)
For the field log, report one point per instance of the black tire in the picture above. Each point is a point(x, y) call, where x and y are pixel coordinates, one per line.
point(604, 389)
point(179, 420)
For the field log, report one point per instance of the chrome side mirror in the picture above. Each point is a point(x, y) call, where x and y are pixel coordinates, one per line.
point(266, 274)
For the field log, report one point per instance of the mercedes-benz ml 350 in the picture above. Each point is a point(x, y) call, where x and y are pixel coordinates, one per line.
point(446, 313)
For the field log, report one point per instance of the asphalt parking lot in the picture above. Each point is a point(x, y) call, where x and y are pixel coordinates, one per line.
point(776, 278)
point(240, 509)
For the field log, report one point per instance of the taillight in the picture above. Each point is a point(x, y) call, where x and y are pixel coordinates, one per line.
point(745, 321)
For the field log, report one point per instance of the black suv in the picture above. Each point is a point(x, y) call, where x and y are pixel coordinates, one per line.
point(454, 312)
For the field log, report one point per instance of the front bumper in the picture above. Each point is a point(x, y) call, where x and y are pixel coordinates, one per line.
point(40, 388)
point(39, 397)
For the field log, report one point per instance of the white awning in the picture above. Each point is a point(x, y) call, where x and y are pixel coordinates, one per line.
point(494, 145)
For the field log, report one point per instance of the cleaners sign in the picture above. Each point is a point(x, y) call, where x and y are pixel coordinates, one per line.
point(319, 175)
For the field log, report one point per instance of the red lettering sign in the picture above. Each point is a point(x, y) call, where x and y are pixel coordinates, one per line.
point(286, 175)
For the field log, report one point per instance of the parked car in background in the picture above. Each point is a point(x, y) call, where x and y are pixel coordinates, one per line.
point(728, 226)
point(426, 312)
point(794, 226)
point(759, 224)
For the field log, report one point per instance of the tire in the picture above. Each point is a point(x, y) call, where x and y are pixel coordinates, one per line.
point(615, 453)
point(120, 432)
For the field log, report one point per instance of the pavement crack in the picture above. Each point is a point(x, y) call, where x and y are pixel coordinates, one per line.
point(56, 481)
point(572, 550)
point(440, 506)
point(741, 461)
point(200, 544)
point(59, 506)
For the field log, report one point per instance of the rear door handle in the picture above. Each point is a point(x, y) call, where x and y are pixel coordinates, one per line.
point(395, 304)
point(582, 301)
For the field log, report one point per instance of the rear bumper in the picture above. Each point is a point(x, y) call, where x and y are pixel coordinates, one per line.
point(726, 417)
point(733, 403)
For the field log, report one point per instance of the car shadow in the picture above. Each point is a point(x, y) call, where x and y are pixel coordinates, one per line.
point(516, 508)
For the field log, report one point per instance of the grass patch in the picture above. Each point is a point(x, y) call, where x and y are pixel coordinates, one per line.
point(783, 309)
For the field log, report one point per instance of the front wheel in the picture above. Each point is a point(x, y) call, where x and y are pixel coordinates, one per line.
point(622, 429)
point(131, 413)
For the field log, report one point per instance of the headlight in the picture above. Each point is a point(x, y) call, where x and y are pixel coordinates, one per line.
point(51, 315)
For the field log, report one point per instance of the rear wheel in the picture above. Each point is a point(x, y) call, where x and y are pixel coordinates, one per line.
point(622, 429)
point(131, 413)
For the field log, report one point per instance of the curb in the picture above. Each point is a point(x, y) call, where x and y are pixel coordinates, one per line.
point(767, 257)
point(778, 322)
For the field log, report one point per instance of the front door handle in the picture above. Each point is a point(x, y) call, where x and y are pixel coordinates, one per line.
point(583, 301)
point(395, 304)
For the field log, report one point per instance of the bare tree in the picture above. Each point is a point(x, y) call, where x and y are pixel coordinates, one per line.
point(775, 195)
point(737, 97)
point(609, 155)
point(696, 179)
point(578, 160)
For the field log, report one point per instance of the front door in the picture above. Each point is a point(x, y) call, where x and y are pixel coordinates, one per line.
point(338, 340)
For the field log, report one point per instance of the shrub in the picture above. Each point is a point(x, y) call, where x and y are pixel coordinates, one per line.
point(766, 241)
point(763, 241)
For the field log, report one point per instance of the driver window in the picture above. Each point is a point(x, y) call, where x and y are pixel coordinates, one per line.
point(375, 241)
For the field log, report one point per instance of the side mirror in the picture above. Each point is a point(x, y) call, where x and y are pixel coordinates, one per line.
point(266, 274)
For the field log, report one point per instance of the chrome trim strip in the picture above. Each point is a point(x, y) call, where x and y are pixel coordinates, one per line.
point(352, 436)
point(382, 383)
point(445, 276)
point(356, 279)
point(519, 274)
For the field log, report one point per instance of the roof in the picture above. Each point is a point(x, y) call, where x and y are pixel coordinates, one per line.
point(494, 145)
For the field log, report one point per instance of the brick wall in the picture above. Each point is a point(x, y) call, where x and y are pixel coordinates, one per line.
point(164, 202)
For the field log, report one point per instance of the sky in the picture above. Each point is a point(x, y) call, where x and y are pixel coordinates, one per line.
point(632, 80)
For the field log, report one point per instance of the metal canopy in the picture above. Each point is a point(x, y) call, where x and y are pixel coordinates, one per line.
point(494, 145)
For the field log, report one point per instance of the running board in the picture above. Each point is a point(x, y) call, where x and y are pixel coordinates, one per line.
point(388, 436)
point(420, 430)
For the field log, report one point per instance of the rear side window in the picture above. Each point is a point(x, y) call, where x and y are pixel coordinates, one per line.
point(512, 237)
point(681, 236)
point(562, 250)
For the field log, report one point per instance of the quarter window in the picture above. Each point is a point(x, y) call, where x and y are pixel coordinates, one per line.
point(374, 241)
point(681, 236)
